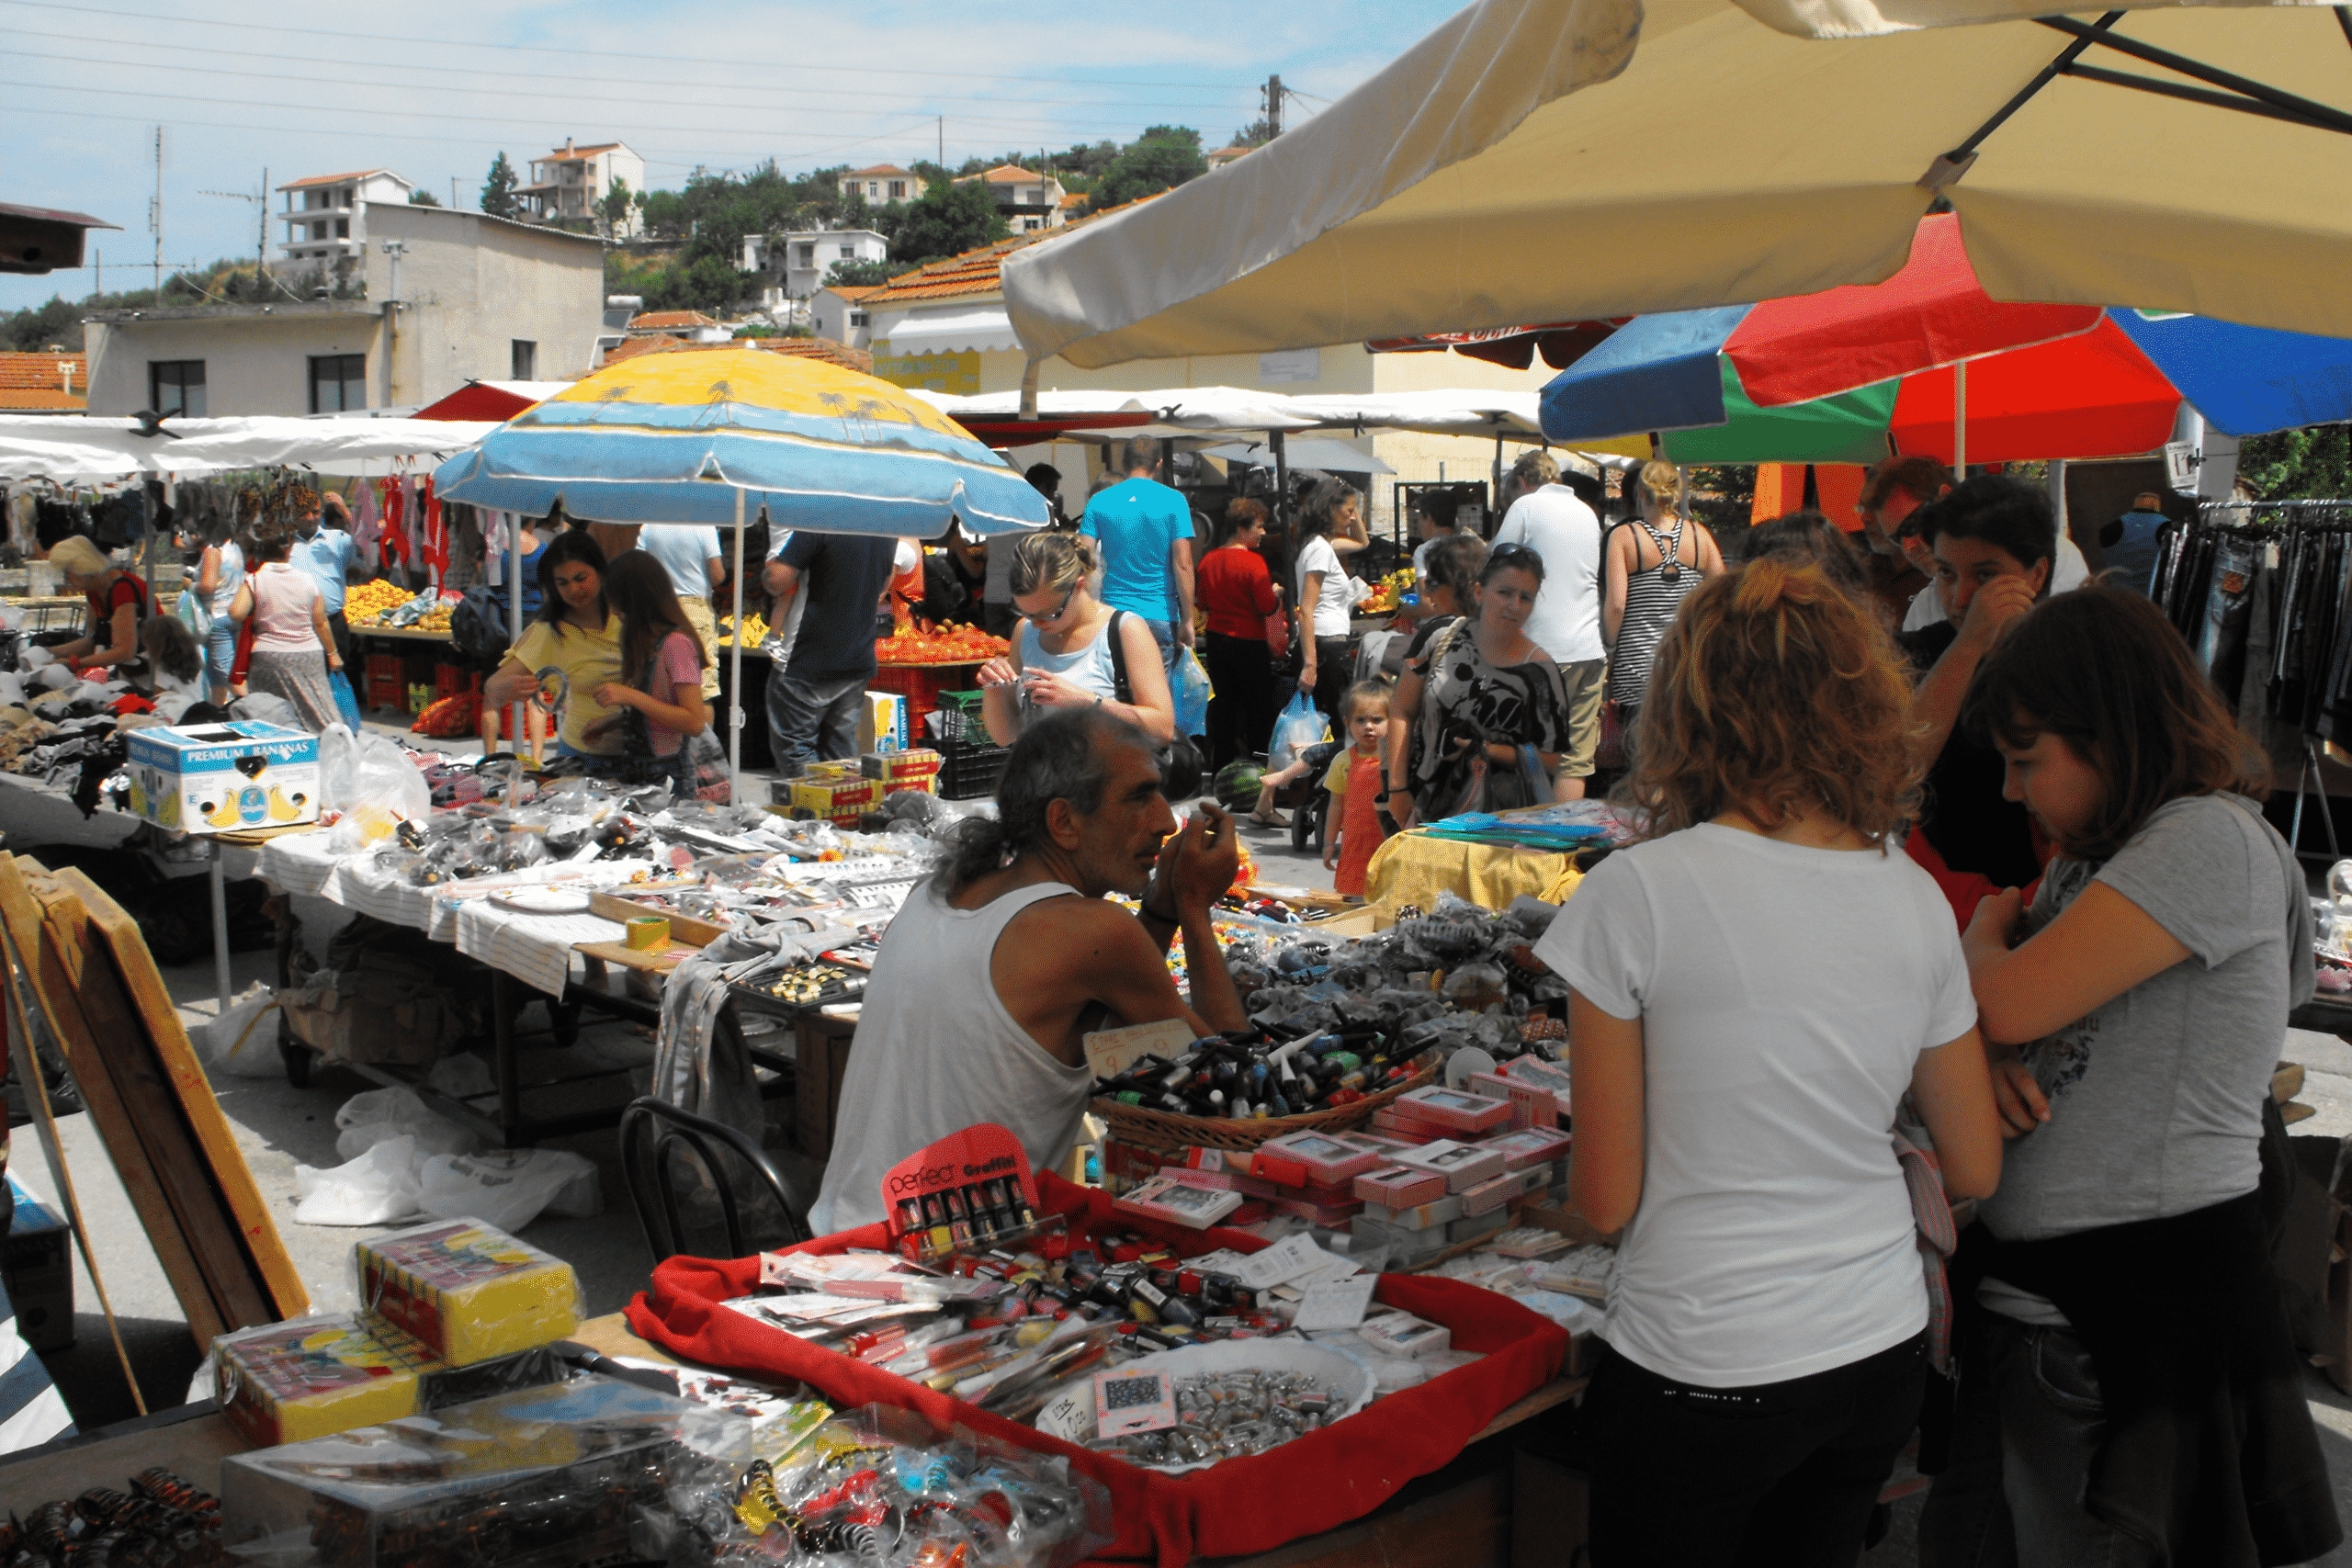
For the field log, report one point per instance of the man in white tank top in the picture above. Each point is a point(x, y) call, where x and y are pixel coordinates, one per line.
point(1001, 963)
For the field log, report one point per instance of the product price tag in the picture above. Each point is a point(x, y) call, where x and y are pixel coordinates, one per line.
point(1110, 1052)
point(1287, 1259)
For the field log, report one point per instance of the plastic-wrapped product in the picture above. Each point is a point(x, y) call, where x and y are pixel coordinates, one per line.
point(284, 1382)
point(466, 1291)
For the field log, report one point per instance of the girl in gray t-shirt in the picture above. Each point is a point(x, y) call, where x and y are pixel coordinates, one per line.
point(2135, 1012)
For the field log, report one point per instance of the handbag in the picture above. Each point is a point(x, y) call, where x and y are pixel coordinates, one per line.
point(696, 770)
point(193, 613)
point(1610, 751)
point(1180, 762)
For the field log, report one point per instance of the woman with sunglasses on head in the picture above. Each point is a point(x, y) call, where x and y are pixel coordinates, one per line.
point(1649, 566)
point(1062, 654)
point(1475, 702)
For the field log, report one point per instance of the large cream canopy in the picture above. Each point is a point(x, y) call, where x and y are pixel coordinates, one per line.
point(1552, 160)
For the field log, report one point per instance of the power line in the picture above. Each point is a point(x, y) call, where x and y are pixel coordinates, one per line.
point(480, 120)
point(541, 51)
point(569, 97)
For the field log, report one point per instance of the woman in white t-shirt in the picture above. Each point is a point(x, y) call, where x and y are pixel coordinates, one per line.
point(1326, 598)
point(1753, 991)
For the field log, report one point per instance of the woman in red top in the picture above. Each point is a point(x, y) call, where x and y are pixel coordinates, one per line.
point(1237, 591)
point(119, 604)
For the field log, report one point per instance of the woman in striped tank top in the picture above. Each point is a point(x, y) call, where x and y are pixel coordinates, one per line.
point(1652, 564)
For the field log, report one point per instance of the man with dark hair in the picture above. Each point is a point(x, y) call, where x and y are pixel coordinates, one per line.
point(1556, 523)
point(1994, 544)
point(328, 555)
point(1008, 956)
point(815, 687)
point(1145, 528)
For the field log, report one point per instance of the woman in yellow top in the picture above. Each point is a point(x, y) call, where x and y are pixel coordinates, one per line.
point(574, 647)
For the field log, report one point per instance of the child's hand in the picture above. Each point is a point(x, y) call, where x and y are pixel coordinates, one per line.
point(1331, 855)
point(1995, 926)
point(613, 694)
point(2018, 1095)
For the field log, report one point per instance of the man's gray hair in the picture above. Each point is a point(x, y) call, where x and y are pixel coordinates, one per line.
point(1535, 468)
point(1061, 756)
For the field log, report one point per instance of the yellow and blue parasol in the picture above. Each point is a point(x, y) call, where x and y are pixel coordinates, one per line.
point(679, 437)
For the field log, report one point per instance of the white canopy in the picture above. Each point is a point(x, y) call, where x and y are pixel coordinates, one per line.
point(974, 328)
point(1557, 160)
point(1300, 451)
point(33, 446)
point(1511, 415)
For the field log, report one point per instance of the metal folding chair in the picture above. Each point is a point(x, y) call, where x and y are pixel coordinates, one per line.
point(650, 1133)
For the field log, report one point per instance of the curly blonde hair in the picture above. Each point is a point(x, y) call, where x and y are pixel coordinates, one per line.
point(1774, 692)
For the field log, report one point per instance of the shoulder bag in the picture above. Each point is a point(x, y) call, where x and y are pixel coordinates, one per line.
point(1181, 763)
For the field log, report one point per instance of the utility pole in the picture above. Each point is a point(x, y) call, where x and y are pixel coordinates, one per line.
point(261, 229)
point(1273, 107)
point(156, 215)
point(453, 193)
point(943, 142)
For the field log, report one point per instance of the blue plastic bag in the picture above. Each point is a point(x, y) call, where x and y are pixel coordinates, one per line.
point(1297, 726)
point(1189, 684)
point(346, 701)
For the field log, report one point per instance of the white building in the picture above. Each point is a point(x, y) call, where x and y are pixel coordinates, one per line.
point(326, 215)
point(839, 312)
point(884, 182)
point(476, 297)
point(568, 183)
point(795, 264)
point(1029, 201)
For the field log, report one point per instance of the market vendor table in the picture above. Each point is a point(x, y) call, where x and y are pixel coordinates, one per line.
point(1461, 1516)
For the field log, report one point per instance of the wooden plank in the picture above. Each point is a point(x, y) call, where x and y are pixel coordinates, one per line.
point(166, 1037)
point(684, 930)
point(53, 988)
point(155, 1120)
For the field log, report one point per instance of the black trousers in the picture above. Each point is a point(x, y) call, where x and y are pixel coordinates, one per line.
point(1778, 1473)
point(340, 630)
point(1335, 670)
point(1241, 708)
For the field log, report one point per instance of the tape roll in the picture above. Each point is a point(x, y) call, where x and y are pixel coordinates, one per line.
point(648, 934)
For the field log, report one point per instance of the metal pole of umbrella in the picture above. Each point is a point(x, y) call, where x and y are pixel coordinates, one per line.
point(735, 659)
point(518, 717)
point(1282, 481)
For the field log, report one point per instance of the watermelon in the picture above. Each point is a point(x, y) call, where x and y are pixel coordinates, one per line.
point(1237, 786)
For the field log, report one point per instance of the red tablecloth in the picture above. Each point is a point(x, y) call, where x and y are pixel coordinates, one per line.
point(1312, 1483)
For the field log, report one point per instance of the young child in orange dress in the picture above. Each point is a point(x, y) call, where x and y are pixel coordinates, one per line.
point(1355, 784)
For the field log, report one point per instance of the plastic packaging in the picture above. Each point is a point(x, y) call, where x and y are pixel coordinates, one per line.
point(508, 1187)
point(243, 1041)
point(531, 1479)
point(467, 1291)
point(370, 1118)
point(377, 1189)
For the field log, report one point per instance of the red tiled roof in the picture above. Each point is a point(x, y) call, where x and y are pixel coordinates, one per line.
point(658, 321)
point(852, 292)
point(1004, 174)
point(337, 179)
point(877, 170)
point(35, 400)
point(974, 271)
point(825, 349)
point(559, 153)
point(39, 372)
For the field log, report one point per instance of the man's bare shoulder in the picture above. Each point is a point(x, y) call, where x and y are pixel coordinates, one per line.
point(1073, 919)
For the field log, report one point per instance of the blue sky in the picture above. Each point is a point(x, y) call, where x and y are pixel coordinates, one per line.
point(435, 89)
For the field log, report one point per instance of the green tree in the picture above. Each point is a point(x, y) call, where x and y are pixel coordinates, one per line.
point(947, 220)
point(861, 274)
point(1160, 159)
point(614, 206)
point(498, 198)
point(2312, 463)
point(420, 196)
point(1257, 133)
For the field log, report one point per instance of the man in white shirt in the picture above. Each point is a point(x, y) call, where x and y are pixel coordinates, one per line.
point(1556, 523)
point(689, 554)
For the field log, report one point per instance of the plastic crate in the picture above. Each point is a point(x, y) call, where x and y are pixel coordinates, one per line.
point(449, 680)
point(924, 685)
point(960, 719)
point(970, 770)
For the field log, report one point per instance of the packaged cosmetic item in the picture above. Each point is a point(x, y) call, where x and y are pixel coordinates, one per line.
point(1454, 1109)
point(1325, 1215)
point(1404, 1128)
point(971, 1189)
point(1532, 1104)
point(1327, 1161)
point(285, 1382)
point(1421, 1216)
point(1477, 1227)
point(1134, 1401)
point(1402, 1334)
point(1197, 1207)
point(1491, 1194)
point(1464, 1166)
point(1396, 1186)
point(1533, 1146)
point(465, 1291)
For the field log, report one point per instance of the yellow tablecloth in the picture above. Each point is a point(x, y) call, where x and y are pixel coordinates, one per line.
point(1414, 868)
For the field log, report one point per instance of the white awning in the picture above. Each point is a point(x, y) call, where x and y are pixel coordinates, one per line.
point(953, 331)
point(104, 448)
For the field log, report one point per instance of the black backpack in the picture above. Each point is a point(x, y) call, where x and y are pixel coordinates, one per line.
point(478, 625)
point(1180, 762)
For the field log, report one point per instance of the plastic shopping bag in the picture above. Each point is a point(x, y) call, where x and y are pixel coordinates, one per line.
point(508, 1187)
point(346, 702)
point(1189, 684)
point(1297, 726)
point(377, 1189)
point(244, 1041)
point(379, 1115)
point(193, 613)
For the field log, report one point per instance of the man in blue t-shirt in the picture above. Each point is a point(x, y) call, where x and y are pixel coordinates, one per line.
point(824, 590)
point(2131, 545)
point(1146, 529)
point(327, 555)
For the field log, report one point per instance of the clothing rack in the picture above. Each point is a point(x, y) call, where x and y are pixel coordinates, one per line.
point(2262, 591)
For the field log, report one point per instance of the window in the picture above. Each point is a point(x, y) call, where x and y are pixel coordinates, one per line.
point(338, 381)
point(176, 386)
point(897, 189)
point(523, 359)
point(858, 317)
point(873, 187)
point(808, 255)
point(318, 231)
point(849, 253)
point(342, 227)
point(350, 194)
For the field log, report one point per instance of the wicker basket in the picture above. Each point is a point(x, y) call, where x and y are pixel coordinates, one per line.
point(1162, 1130)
